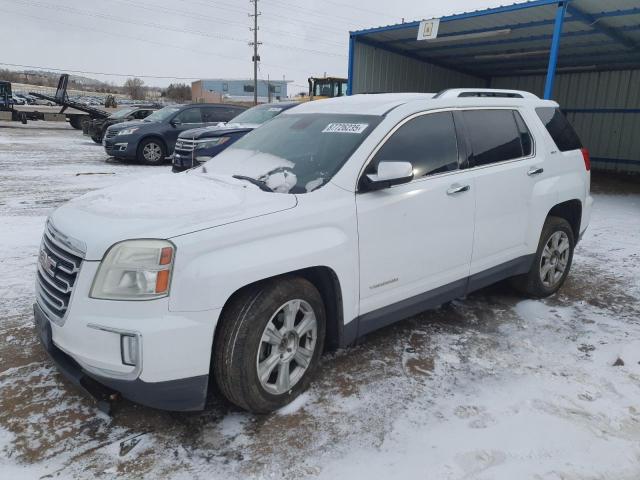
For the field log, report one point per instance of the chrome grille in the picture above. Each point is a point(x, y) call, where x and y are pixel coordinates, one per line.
point(185, 145)
point(58, 266)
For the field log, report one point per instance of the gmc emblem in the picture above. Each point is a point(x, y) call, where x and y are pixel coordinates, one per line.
point(47, 263)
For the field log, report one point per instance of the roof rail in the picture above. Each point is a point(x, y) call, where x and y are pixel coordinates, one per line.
point(483, 92)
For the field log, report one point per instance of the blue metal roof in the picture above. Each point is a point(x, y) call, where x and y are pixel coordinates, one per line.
point(516, 39)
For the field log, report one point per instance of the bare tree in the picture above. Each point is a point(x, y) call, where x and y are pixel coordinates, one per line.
point(134, 88)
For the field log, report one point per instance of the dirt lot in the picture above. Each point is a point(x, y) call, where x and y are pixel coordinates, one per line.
point(488, 387)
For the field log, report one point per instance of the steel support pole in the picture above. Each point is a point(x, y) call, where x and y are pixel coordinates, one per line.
point(555, 48)
point(352, 44)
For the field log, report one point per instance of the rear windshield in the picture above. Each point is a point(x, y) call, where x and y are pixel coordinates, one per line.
point(559, 128)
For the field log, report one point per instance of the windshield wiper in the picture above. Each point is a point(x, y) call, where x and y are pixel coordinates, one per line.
point(258, 183)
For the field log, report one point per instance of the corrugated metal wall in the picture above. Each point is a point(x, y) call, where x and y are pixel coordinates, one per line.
point(604, 108)
point(377, 70)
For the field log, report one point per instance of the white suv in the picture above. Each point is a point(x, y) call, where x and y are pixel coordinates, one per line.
point(336, 218)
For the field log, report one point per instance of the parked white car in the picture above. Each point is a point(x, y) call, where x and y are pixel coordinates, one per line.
point(336, 218)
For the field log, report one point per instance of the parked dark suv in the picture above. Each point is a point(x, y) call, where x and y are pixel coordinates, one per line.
point(97, 127)
point(152, 140)
point(200, 144)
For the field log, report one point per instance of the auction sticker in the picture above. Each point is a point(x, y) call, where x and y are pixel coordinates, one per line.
point(345, 128)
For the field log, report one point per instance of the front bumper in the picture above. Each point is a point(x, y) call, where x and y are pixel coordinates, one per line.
point(121, 146)
point(184, 394)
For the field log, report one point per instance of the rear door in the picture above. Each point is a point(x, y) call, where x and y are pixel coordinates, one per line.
point(505, 171)
point(415, 239)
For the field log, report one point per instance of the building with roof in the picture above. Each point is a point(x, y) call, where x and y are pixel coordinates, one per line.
point(239, 90)
point(585, 54)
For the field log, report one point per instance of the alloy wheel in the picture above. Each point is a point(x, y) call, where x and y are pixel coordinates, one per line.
point(152, 152)
point(287, 346)
point(554, 259)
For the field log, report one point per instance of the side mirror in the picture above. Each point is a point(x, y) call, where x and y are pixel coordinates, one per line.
point(176, 122)
point(388, 174)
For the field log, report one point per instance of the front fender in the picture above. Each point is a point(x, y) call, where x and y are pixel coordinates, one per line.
point(211, 265)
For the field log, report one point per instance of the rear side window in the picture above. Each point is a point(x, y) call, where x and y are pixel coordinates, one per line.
point(191, 115)
point(219, 114)
point(496, 136)
point(429, 142)
point(559, 128)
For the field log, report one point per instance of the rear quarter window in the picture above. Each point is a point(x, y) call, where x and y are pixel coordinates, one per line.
point(563, 134)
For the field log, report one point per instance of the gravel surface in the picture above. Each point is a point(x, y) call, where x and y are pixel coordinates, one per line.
point(492, 386)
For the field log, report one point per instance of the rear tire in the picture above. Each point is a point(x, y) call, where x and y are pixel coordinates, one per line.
point(151, 152)
point(97, 138)
point(552, 260)
point(269, 343)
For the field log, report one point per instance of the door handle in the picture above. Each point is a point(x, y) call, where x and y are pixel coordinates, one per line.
point(453, 189)
point(535, 171)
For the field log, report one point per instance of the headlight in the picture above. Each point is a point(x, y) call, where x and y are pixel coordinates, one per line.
point(128, 131)
point(135, 270)
point(213, 142)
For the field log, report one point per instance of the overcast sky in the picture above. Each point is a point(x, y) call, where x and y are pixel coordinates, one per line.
point(200, 38)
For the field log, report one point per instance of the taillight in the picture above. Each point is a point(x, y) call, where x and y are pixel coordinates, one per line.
point(587, 159)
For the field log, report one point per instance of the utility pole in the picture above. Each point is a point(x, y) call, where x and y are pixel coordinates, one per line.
point(255, 43)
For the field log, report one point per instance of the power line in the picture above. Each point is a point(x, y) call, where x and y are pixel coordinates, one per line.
point(153, 42)
point(201, 17)
point(169, 27)
point(85, 72)
point(315, 13)
point(307, 24)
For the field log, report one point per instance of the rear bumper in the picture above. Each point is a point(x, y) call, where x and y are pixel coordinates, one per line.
point(185, 394)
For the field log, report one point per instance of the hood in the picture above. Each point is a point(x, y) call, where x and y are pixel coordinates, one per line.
point(163, 206)
point(218, 130)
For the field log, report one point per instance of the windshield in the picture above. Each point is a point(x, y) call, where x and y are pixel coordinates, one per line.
point(122, 113)
point(161, 114)
point(257, 114)
point(294, 153)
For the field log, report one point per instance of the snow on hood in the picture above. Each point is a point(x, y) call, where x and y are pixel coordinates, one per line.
point(163, 206)
point(275, 171)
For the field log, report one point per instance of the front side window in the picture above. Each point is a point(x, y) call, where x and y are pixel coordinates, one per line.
point(494, 136)
point(559, 128)
point(191, 115)
point(428, 142)
point(293, 153)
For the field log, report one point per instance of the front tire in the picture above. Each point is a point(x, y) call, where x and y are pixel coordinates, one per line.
point(269, 344)
point(151, 152)
point(552, 260)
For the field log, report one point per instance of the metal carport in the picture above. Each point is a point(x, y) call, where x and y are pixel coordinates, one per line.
point(583, 53)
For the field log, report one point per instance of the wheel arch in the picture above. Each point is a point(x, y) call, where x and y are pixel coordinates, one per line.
point(153, 136)
point(571, 211)
point(327, 282)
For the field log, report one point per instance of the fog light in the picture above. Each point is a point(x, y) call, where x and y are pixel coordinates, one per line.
point(129, 349)
point(122, 146)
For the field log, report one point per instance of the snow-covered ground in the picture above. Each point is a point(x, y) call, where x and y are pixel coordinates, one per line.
point(489, 387)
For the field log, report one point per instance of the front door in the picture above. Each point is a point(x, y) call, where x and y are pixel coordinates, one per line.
point(415, 239)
